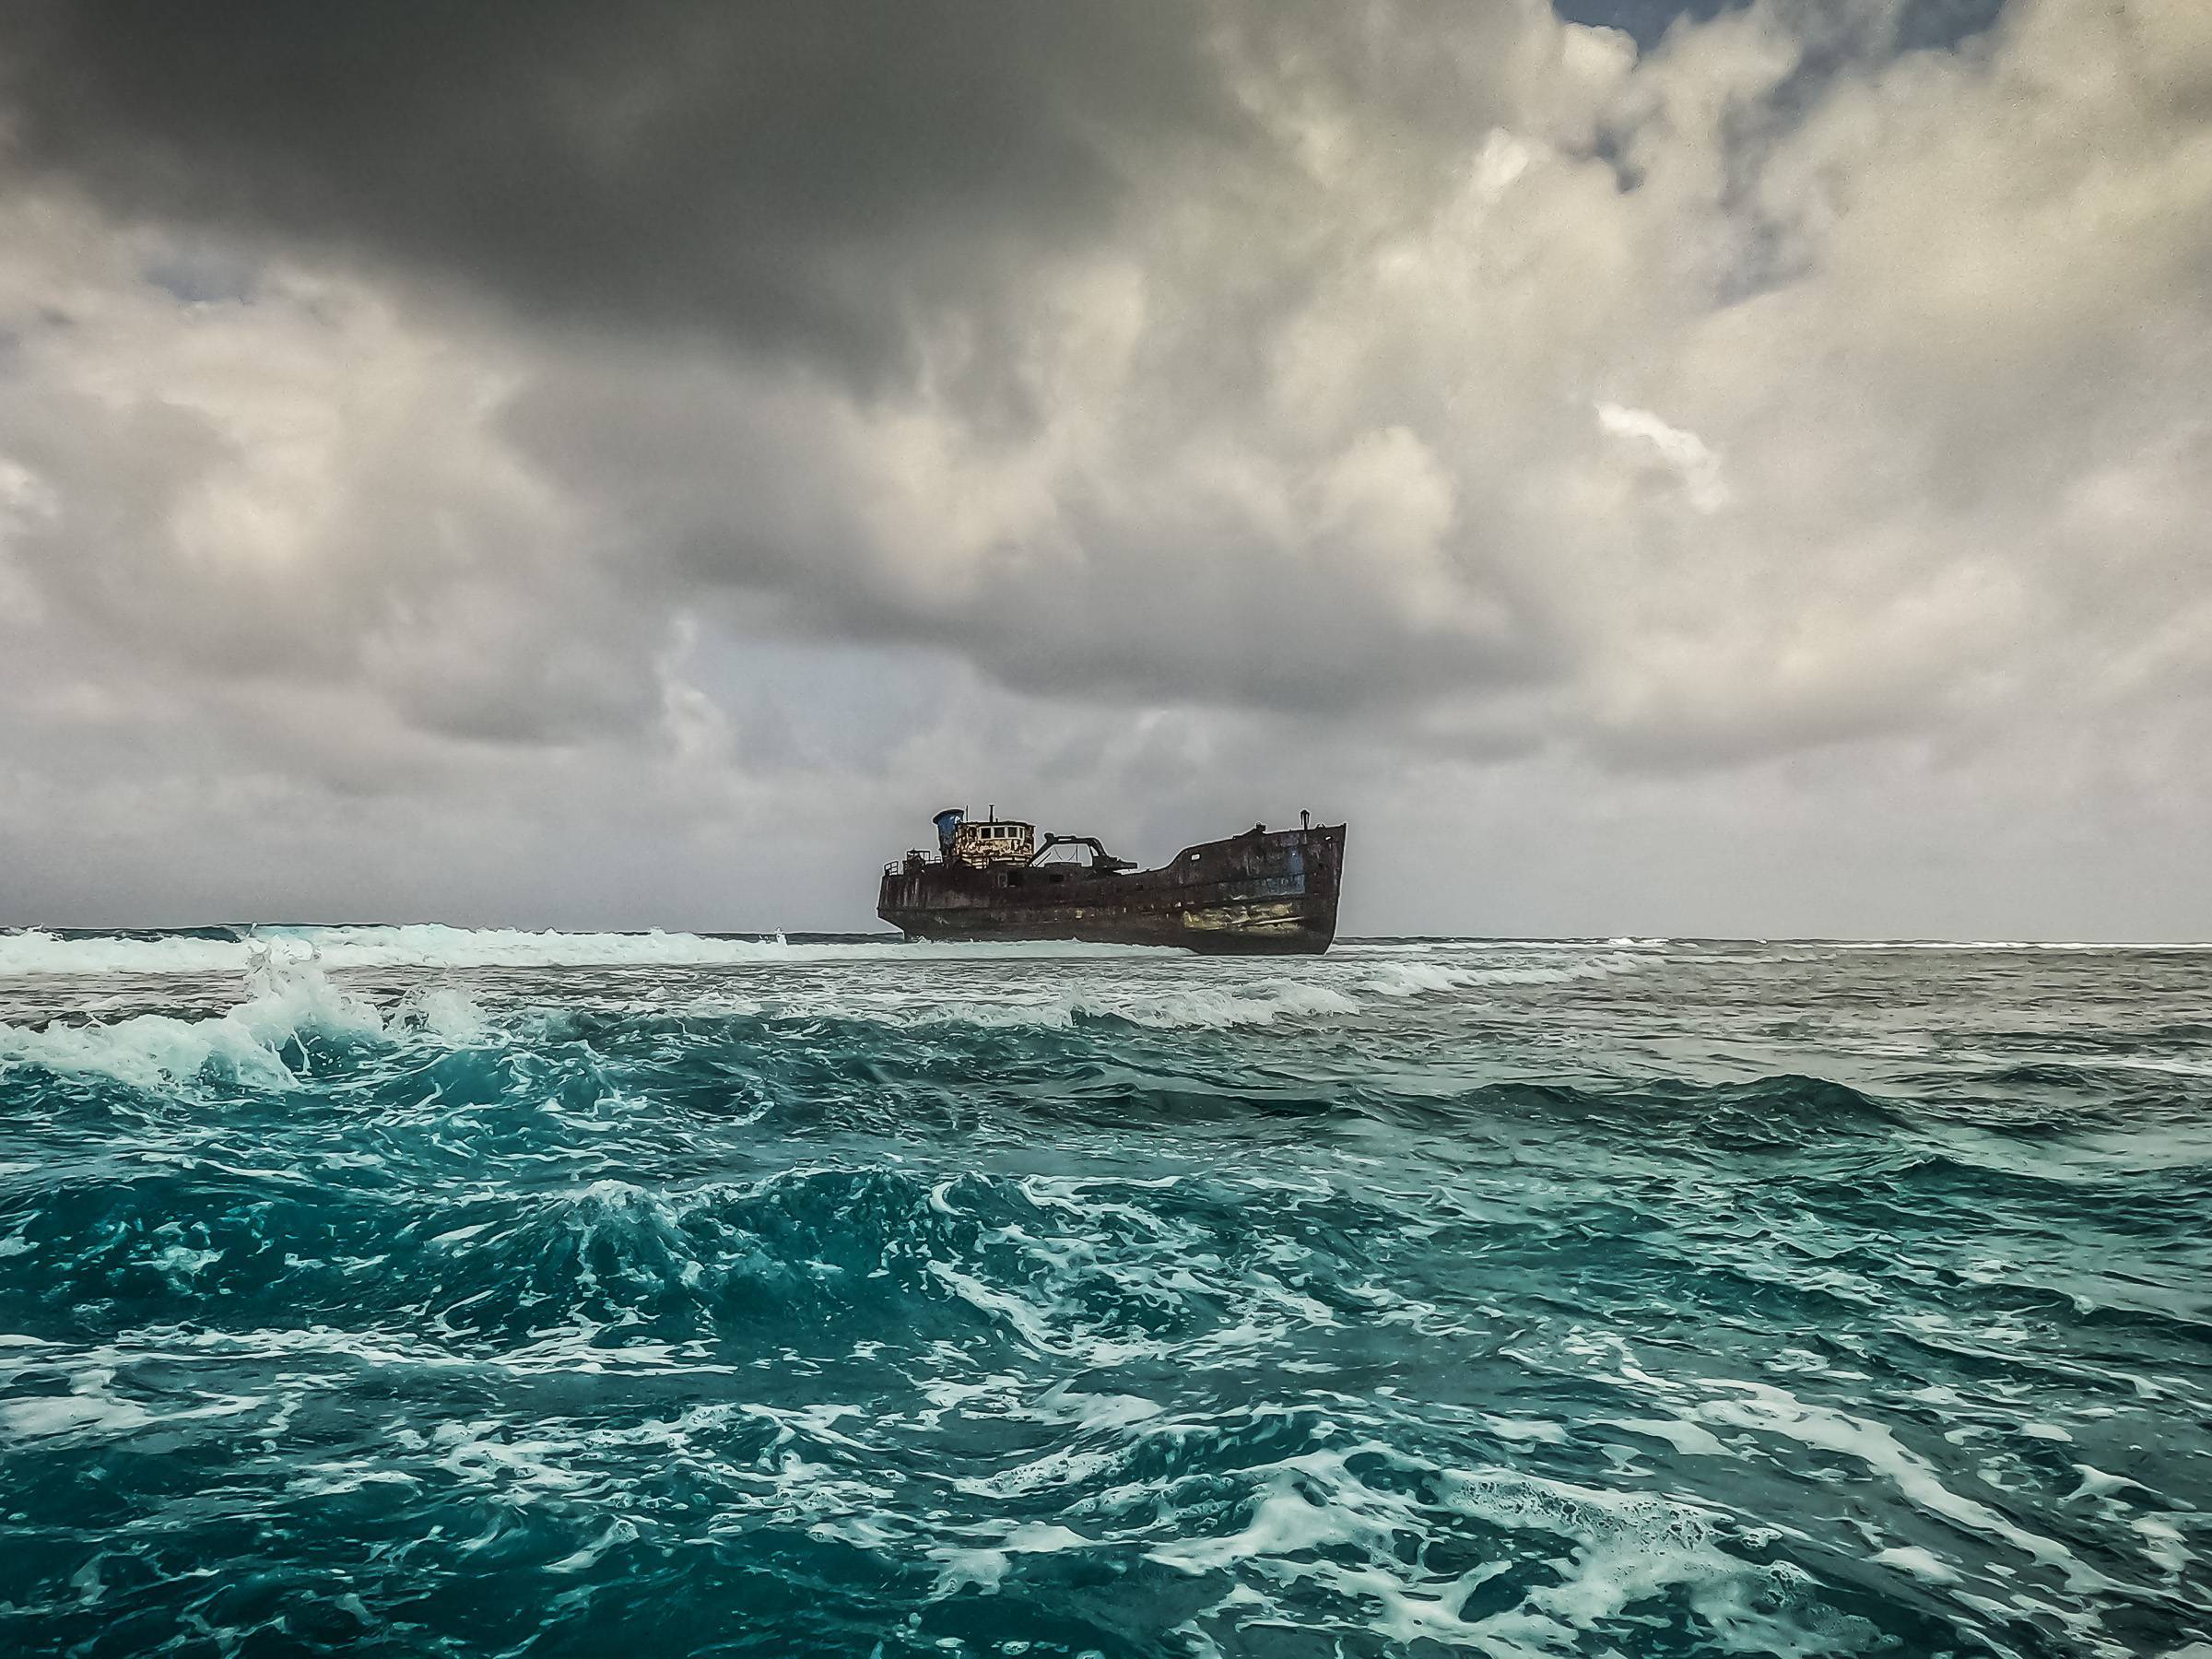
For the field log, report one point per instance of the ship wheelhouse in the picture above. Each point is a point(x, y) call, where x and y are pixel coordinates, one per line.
point(993, 841)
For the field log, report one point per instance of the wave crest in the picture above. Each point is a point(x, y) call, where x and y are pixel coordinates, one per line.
point(255, 1045)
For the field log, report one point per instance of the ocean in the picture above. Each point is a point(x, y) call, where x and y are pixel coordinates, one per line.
point(412, 1290)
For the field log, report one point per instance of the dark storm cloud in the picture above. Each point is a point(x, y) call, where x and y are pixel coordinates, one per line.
point(900, 197)
point(1121, 590)
point(800, 178)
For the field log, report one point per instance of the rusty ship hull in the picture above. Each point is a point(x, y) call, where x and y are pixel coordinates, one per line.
point(1263, 893)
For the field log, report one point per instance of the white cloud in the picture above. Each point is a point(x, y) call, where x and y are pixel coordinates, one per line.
point(1686, 453)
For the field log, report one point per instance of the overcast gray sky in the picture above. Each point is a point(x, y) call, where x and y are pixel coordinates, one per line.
point(1746, 471)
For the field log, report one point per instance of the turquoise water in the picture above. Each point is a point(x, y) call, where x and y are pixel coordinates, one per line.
point(418, 1291)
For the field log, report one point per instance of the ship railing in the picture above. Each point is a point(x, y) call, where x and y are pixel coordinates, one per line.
point(917, 857)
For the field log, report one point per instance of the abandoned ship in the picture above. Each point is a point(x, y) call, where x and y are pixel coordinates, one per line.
point(1263, 892)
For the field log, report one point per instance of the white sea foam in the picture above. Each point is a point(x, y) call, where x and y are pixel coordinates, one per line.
point(289, 999)
point(1177, 999)
point(1386, 968)
point(32, 952)
point(1312, 1518)
point(149, 1051)
point(2163, 1541)
point(48, 1415)
point(1217, 1008)
point(1630, 1546)
point(1687, 1438)
point(1198, 1008)
point(1523, 1430)
point(1921, 1563)
point(984, 1565)
point(90, 1411)
point(444, 1011)
point(1415, 976)
point(1158, 1003)
point(430, 945)
point(1773, 1410)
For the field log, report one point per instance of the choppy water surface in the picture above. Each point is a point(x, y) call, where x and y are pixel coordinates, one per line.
point(490, 1293)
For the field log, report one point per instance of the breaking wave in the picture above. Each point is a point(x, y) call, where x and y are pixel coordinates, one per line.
point(430, 945)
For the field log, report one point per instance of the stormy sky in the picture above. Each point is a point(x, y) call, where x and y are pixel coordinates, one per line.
point(1724, 471)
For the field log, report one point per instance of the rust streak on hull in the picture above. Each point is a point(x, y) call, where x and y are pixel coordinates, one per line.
point(1261, 893)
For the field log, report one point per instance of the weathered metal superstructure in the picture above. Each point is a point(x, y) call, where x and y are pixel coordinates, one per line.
point(1265, 892)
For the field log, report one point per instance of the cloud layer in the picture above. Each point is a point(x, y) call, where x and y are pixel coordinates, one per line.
point(492, 458)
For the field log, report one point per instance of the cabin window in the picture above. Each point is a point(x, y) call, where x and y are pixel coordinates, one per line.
point(1057, 875)
point(1013, 877)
